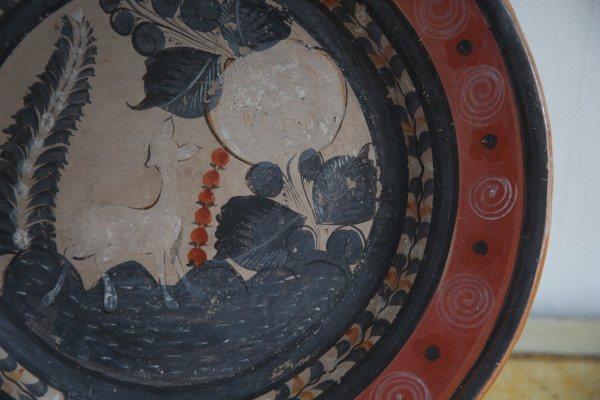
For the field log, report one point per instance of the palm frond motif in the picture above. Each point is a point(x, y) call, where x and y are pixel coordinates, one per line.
point(32, 158)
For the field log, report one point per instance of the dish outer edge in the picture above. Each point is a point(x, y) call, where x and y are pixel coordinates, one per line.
point(547, 229)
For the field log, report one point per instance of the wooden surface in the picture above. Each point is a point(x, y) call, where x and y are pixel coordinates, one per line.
point(548, 377)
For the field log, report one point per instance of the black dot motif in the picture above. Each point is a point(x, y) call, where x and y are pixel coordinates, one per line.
point(480, 248)
point(433, 353)
point(465, 47)
point(489, 141)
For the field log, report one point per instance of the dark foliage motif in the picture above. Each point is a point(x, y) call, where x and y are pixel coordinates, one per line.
point(253, 25)
point(344, 190)
point(188, 41)
point(251, 232)
point(182, 81)
point(32, 158)
point(259, 233)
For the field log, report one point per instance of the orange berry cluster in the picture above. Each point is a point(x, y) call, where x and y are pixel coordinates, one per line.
point(206, 199)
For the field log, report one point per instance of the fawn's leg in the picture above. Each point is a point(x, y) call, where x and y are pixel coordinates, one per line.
point(110, 293)
point(159, 258)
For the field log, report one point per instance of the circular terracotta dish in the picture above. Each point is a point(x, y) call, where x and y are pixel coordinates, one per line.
point(266, 199)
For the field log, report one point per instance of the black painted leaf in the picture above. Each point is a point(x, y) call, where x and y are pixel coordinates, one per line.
point(53, 155)
point(345, 189)
point(44, 186)
point(42, 200)
point(182, 81)
point(81, 84)
point(73, 111)
point(253, 231)
point(85, 73)
point(253, 25)
point(68, 123)
point(12, 152)
point(43, 213)
point(38, 97)
point(50, 170)
point(81, 96)
point(59, 137)
point(28, 117)
point(19, 132)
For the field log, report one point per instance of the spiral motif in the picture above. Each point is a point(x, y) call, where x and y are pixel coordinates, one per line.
point(465, 303)
point(400, 385)
point(442, 19)
point(492, 198)
point(482, 94)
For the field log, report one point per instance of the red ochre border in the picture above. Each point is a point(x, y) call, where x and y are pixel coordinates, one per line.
point(444, 347)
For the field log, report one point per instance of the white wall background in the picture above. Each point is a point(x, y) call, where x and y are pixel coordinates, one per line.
point(565, 40)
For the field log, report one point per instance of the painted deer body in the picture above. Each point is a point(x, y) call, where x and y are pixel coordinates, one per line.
point(108, 232)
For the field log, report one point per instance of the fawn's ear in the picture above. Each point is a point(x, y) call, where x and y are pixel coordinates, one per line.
point(187, 151)
point(168, 128)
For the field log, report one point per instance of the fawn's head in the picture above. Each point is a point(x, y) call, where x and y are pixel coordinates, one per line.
point(164, 152)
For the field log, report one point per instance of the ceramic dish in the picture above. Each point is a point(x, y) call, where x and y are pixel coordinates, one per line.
point(266, 199)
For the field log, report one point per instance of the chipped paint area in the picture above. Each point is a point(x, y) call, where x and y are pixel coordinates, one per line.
point(280, 102)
